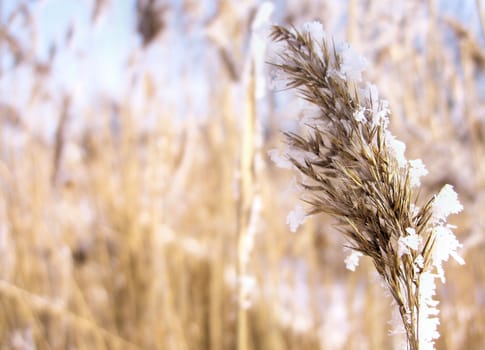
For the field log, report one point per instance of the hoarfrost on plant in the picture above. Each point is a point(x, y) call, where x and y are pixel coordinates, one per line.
point(352, 260)
point(428, 312)
point(417, 169)
point(412, 241)
point(445, 246)
point(380, 108)
point(445, 203)
point(381, 113)
point(418, 264)
point(396, 148)
point(317, 34)
point(359, 115)
point(352, 64)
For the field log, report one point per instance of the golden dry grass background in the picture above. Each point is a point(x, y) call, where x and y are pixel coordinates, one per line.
point(134, 237)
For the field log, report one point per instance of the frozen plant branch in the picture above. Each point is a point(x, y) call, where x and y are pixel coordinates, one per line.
point(354, 169)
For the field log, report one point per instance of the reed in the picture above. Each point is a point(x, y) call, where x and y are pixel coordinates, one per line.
point(354, 169)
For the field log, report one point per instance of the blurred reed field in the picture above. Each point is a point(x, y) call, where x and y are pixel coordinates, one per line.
point(153, 218)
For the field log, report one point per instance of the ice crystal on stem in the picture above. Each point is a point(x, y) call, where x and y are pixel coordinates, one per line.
point(428, 313)
point(417, 169)
point(412, 241)
point(354, 169)
point(352, 64)
point(445, 203)
point(352, 261)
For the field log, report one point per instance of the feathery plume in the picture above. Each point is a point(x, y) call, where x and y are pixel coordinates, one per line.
point(355, 169)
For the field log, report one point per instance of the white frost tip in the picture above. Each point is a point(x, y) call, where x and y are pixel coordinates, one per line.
point(445, 246)
point(428, 312)
point(396, 148)
point(381, 113)
point(296, 217)
point(315, 29)
point(397, 326)
point(380, 108)
point(359, 115)
point(352, 261)
point(445, 203)
point(417, 169)
point(419, 261)
point(352, 64)
point(412, 241)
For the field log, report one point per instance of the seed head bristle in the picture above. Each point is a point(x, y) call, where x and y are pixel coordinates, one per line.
point(355, 170)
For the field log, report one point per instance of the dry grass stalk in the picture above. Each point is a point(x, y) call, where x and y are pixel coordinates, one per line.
point(244, 210)
point(354, 169)
point(41, 304)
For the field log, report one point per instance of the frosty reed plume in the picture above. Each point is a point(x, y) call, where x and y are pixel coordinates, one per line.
point(354, 169)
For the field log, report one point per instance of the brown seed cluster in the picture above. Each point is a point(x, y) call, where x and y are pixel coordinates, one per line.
point(350, 172)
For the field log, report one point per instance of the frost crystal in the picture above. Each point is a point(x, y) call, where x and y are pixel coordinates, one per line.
point(359, 115)
point(296, 217)
point(428, 312)
point(372, 93)
point(352, 261)
point(418, 264)
point(417, 169)
point(396, 148)
point(445, 246)
point(397, 326)
point(381, 113)
point(315, 29)
point(316, 32)
point(408, 242)
point(380, 108)
point(445, 203)
point(352, 64)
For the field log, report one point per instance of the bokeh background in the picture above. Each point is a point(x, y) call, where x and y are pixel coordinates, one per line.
point(139, 208)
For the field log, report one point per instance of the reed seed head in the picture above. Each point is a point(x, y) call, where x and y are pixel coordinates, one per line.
point(355, 169)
